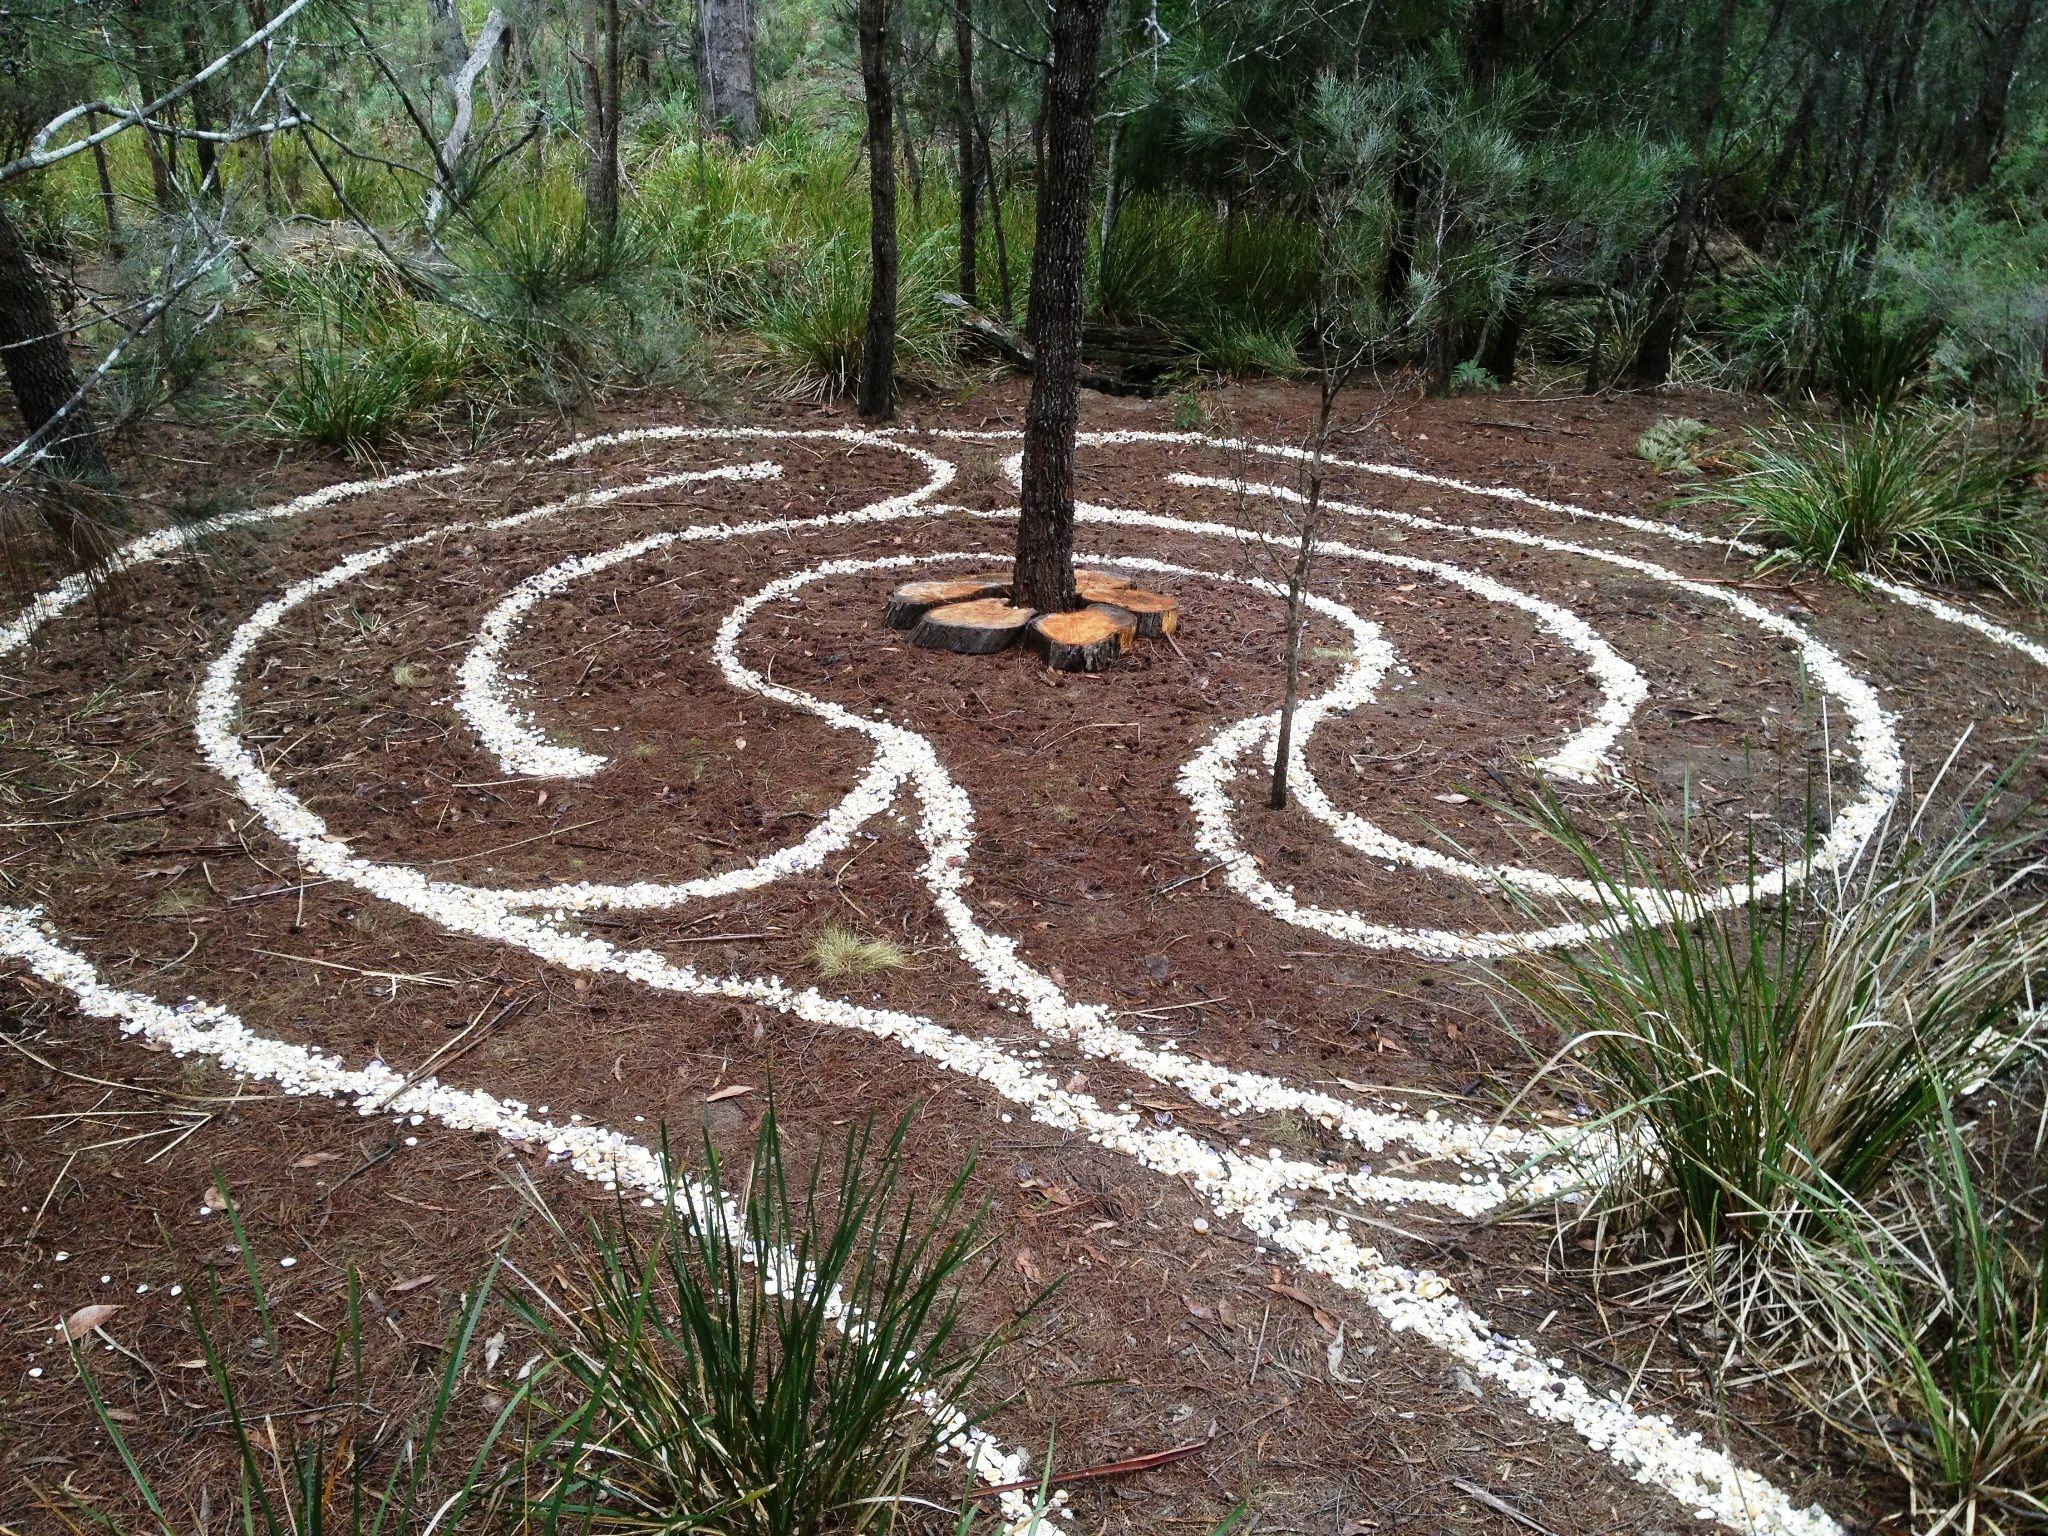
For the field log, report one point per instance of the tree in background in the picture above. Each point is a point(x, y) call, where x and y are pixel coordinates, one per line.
point(728, 97)
point(602, 85)
point(1043, 574)
point(876, 393)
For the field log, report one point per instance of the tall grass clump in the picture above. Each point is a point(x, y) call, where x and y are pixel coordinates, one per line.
point(351, 1466)
point(1749, 1052)
point(812, 323)
point(1935, 1302)
point(1896, 493)
point(771, 1365)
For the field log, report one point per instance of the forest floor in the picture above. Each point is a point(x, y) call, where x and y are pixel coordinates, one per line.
point(300, 797)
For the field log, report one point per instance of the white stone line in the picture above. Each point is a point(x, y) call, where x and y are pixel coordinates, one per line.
point(485, 702)
point(1648, 1446)
point(1870, 731)
point(1914, 597)
point(604, 1156)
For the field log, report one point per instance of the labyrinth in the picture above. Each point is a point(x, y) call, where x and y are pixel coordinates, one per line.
point(615, 725)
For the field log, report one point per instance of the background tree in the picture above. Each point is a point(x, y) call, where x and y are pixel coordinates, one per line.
point(877, 392)
point(1043, 574)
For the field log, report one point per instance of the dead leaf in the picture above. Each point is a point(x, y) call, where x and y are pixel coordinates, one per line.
point(1455, 799)
point(315, 1159)
point(121, 1415)
point(85, 1319)
point(1329, 1323)
point(1196, 1309)
point(494, 1348)
point(1027, 1266)
point(1333, 1357)
point(731, 1091)
point(405, 1286)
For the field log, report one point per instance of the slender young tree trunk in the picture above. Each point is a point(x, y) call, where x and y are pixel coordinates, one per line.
point(1043, 576)
point(728, 99)
point(1308, 534)
point(877, 389)
point(38, 365)
point(995, 213)
point(964, 131)
point(602, 81)
point(110, 206)
point(1407, 198)
point(1651, 365)
point(203, 116)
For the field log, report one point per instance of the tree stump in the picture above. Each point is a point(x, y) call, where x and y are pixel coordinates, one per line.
point(913, 600)
point(1100, 586)
point(1155, 612)
point(1086, 639)
point(980, 627)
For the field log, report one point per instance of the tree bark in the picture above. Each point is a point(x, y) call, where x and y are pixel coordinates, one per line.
point(876, 395)
point(969, 161)
point(1043, 576)
point(728, 100)
point(993, 183)
point(1651, 365)
point(601, 87)
point(38, 365)
point(449, 45)
point(1987, 121)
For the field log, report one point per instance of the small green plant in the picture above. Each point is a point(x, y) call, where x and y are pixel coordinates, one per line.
point(1469, 378)
point(1751, 1049)
point(1189, 413)
point(341, 395)
point(1896, 493)
point(836, 952)
point(1669, 441)
point(773, 1364)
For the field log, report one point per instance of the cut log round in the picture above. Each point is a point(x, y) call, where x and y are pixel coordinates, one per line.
point(912, 601)
point(1156, 613)
point(977, 628)
point(1086, 639)
point(1100, 586)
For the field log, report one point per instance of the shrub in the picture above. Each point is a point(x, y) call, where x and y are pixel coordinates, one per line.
point(1753, 1051)
point(1897, 493)
point(769, 1367)
point(813, 324)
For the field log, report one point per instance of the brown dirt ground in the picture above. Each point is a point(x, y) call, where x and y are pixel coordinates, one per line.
point(1159, 1334)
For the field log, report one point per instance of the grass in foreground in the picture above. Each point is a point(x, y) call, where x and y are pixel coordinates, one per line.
point(770, 1363)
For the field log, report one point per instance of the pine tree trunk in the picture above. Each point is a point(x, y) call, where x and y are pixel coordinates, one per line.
point(964, 129)
point(993, 183)
point(1043, 577)
point(728, 99)
point(38, 365)
point(1651, 365)
point(602, 81)
point(1987, 121)
point(876, 394)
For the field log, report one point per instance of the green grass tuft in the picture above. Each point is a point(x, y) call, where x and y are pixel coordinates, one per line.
point(837, 952)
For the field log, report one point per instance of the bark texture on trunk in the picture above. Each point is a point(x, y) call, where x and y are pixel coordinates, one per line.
point(728, 100)
point(449, 43)
point(1651, 365)
point(38, 365)
point(601, 87)
point(876, 393)
point(1987, 121)
point(1043, 576)
point(964, 130)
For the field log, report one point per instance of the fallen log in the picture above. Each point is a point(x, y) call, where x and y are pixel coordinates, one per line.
point(1017, 351)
